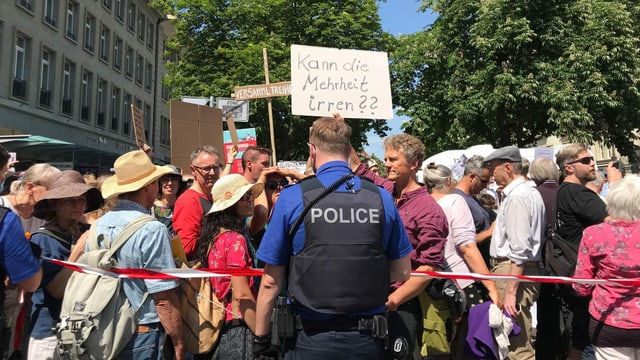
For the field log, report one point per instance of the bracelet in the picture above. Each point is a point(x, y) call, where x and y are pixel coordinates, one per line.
point(229, 163)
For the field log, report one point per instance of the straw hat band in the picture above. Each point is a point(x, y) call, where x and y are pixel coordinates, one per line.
point(137, 178)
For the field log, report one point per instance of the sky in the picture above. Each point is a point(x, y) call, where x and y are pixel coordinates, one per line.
point(398, 17)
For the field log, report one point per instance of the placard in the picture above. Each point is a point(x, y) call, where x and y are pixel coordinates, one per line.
point(138, 125)
point(354, 83)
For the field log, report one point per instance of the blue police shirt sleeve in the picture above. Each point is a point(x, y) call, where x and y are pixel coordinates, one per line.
point(397, 242)
point(18, 259)
point(275, 248)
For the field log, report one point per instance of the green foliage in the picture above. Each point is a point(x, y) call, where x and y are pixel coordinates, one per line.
point(219, 46)
point(514, 71)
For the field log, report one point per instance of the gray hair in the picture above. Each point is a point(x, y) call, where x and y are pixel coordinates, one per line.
point(623, 199)
point(525, 163)
point(475, 164)
point(35, 174)
point(543, 169)
point(204, 148)
point(436, 176)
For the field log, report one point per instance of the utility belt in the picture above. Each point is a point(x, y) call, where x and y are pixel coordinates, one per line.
point(285, 323)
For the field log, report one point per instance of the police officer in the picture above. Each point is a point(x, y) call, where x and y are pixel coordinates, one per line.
point(339, 262)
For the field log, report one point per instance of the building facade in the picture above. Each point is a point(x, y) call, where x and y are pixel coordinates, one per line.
point(73, 72)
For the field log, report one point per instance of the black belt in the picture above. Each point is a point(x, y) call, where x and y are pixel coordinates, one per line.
point(342, 323)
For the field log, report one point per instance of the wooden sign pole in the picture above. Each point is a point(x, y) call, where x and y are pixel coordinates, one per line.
point(269, 108)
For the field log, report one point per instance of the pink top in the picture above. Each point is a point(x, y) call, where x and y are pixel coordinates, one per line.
point(611, 250)
point(229, 250)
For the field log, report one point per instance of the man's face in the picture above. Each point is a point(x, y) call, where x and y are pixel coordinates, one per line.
point(480, 180)
point(273, 186)
point(397, 165)
point(256, 167)
point(584, 167)
point(206, 170)
point(500, 172)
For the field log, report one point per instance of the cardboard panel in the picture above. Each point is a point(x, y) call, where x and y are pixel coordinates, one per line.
point(193, 126)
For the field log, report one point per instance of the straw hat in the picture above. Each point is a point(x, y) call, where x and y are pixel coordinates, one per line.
point(133, 171)
point(62, 185)
point(229, 189)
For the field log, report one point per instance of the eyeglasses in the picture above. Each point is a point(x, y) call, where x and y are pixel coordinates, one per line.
point(273, 184)
point(484, 181)
point(585, 160)
point(247, 196)
point(207, 169)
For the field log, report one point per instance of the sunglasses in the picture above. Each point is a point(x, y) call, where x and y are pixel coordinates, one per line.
point(273, 184)
point(585, 160)
point(483, 181)
point(247, 196)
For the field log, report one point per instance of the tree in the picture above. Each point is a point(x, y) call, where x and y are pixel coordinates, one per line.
point(513, 71)
point(220, 44)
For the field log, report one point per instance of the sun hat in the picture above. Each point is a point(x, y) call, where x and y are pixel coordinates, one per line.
point(229, 189)
point(66, 184)
point(133, 171)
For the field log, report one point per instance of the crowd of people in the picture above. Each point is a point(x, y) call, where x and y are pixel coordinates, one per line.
point(337, 250)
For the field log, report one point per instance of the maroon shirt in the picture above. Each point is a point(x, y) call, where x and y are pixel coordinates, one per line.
point(424, 221)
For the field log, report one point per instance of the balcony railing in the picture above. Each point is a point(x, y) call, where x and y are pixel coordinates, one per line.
point(45, 98)
point(19, 89)
point(84, 113)
point(67, 105)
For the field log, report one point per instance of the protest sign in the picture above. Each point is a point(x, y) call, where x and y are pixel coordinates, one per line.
point(354, 83)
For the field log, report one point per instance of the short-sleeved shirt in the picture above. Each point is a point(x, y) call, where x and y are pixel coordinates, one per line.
point(481, 216)
point(275, 248)
point(148, 248)
point(15, 253)
point(461, 233)
point(187, 218)
point(578, 207)
point(45, 309)
point(230, 250)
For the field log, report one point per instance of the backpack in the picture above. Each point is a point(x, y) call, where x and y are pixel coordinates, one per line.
point(96, 319)
point(203, 314)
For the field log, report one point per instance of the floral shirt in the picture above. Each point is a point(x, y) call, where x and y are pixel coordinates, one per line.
point(611, 250)
point(229, 250)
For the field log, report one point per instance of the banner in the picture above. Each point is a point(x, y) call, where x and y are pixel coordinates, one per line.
point(246, 138)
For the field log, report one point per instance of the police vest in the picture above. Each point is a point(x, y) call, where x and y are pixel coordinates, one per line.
point(342, 267)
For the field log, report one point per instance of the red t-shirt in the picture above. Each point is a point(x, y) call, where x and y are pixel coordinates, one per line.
point(187, 216)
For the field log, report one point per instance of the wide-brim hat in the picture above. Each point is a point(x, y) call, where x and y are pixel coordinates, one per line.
point(229, 189)
point(133, 171)
point(66, 184)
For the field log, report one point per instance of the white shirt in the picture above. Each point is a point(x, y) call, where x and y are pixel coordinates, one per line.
point(519, 229)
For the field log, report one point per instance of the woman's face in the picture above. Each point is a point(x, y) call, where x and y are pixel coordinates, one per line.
point(273, 186)
point(169, 185)
point(69, 208)
point(244, 206)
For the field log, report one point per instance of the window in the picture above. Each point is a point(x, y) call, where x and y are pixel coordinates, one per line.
point(105, 37)
point(107, 4)
point(131, 16)
point(139, 69)
point(119, 10)
point(126, 115)
point(165, 93)
point(85, 101)
point(20, 68)
point(142, 25)
point(89, 32)
point(26, 4)
point(115, 109)
point(101, 102)
point(148, 76)
point(68, 74)
point(165, 131)
point(150, 34)
point(147, 120)
point(128, 62)
point(50, 12)
point(72, 21)
point(46, 64)
point(117, 53)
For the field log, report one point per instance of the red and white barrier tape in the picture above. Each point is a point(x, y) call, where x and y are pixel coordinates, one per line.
point(191, 273)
